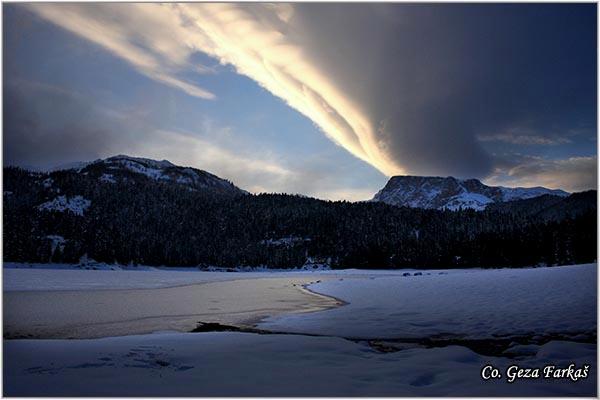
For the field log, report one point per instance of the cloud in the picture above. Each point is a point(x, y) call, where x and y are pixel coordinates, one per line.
point(47, 125)
point(256, 40)
point(522, 138)
point(187, 149)
point(348, 194)
point(258, 172)
point(262, 43)
point(406, 88)
point(138, 33)
point(572, 174)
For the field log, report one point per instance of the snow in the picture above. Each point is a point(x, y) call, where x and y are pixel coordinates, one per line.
point(108, 178)
point(317, 264)
point(151, 168)
point(519, 193)
point(153, 173)
point(189, 176)
point(57, 242)
point(468, 200)
point(48, 182)
point(237, 364)
point(166, 171)
point(134, 162)
point(470, 303)
point(59, 303)
point(17, 277)
point(382, 305)
point(184, 180)
point(92, 275)
point(452, 194)
point(286, 241)
point(308, 266)
point(76, 205)
point(401, 303)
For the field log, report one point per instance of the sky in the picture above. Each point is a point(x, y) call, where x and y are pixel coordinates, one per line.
point(325, 100)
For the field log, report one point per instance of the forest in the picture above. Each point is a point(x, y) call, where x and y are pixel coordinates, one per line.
point(137, 220)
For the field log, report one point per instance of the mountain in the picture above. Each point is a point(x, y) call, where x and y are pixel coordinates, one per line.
point(133, 210)
point(123, 167)
point(451, 193)
point(549, 207)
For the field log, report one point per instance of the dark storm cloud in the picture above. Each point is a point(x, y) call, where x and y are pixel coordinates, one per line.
point(408, 88)
point(434, 77)
point(46, 125)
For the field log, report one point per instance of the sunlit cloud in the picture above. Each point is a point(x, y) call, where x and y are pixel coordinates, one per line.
point(409, 90)
point(259, 172)
point(187, 149)
point(572, 174)
point(50, 125)
point(260, 44)
point(158, 39)
point(150, 41)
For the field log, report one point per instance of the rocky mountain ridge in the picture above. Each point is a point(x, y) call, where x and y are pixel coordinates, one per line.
point(453, 194)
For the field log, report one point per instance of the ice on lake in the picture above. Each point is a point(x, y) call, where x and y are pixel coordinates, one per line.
point(355, 350)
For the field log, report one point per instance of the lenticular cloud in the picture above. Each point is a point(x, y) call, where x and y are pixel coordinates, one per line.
point(261, 41)
point(406, 88)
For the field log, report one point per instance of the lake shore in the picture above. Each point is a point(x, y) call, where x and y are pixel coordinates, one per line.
point(399, 333)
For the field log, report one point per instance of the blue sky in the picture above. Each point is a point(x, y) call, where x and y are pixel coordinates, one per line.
point(323, 100)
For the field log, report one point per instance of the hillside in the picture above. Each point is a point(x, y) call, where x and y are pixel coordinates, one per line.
point(146, 212)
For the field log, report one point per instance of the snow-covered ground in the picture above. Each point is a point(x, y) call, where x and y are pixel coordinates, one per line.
point(470, 303)
point(392, 305)
point(236, 364)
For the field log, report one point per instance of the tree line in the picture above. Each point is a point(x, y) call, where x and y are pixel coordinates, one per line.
point(139, 220)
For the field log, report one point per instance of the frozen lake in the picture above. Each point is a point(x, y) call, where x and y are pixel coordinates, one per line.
point(108, 312)
point(395, 333)
point(473, 303)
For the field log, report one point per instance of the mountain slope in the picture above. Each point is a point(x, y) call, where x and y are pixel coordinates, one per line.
point(123, 167)
point(549, 207)
point(451, 193)
point(134, 210)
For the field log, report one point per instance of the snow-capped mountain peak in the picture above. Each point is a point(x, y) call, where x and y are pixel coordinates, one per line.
point(122, 168)
point(148, 162)
point(451, 193)
point(165, 171)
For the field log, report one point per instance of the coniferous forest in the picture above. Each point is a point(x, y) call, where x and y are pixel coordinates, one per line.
point(140, 220)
